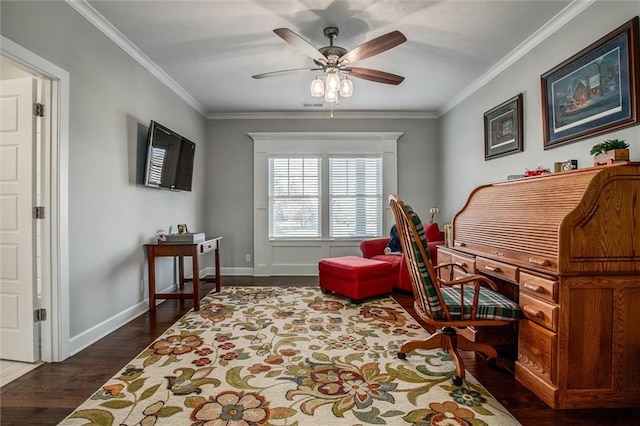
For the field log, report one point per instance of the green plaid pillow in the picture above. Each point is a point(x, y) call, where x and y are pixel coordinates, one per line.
point(491, 304)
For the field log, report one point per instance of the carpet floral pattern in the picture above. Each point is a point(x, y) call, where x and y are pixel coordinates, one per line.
point(287, 357)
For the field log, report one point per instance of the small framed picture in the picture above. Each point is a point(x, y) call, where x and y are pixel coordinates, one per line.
point(503, 129)
point(182, 229)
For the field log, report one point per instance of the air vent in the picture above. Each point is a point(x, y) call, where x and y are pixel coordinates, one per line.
point(313, 105)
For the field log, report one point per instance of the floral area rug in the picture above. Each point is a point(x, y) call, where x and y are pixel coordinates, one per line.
point(289, 357)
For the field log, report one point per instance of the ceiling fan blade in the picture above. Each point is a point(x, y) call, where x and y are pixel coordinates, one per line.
point(373, 47)
point(374, 75)
point(301, 44)
point(283, 72)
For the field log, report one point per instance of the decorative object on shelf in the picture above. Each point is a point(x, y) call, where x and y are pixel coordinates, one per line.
point(434, 211)
point(186, 237)
point(610, 151)
point(594, 91)
point(537, 172)
point(565, 166)
point(161, 236)
point(182, 228)
point(512, 177)
point(503, 129)
point(448, 235)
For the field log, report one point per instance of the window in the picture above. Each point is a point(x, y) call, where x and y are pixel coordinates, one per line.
point(297, 217)
point(355, 197)
point(352, 205)
point(294, 197)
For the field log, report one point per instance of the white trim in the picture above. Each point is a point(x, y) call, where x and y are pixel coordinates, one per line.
point(58, 327)
point(88, 337)
point(101, 23)
point(323, 115)
point(300, 257)
point(553, 25)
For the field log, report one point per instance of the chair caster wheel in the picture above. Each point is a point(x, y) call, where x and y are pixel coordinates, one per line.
point(491, 362)
point(325, 291)
point(457, 380)
point(402, 355)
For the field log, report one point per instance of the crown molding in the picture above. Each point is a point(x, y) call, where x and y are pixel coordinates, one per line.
point(101, 23)
point(322, 115)
point(553, 25)
point(557, 22)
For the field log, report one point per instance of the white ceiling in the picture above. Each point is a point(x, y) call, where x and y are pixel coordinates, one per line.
point(211, 48)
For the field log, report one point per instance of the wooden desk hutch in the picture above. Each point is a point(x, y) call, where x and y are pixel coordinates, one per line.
point(567, 246)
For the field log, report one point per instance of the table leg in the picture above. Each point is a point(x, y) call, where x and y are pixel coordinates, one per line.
point(152, 279)
point(217, 253)
point(181, 272)
point(196, 279)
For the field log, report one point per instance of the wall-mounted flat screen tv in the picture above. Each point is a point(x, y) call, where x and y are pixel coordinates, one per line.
point(169, 159)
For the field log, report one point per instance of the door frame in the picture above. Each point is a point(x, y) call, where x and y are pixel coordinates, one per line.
point(55, 178)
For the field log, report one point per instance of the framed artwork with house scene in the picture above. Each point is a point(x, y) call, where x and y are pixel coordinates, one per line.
point(594, 91)
point(503, 129)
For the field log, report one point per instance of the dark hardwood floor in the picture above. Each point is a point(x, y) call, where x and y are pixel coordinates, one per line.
point(47, 394)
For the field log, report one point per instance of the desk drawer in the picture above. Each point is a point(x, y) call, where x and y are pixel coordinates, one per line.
point(467, 263)
point(497, 269)
point(540, 312)
point(536, 349)
point(207, 246)
point(543, 288)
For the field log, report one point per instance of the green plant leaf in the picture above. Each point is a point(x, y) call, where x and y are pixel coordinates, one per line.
point(96, 417)
point(116, 404)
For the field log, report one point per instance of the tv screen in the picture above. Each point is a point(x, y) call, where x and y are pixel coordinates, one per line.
point(169, 159)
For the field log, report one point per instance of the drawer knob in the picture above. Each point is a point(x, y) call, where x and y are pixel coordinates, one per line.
point(458, 244)
point(492, 268)
point(534, 287)
point(535, 351)
point(498, 253)
point(539, 262)
point(462, 264)
point(536, 313)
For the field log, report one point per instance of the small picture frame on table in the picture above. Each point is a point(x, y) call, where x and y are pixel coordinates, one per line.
point(503, 129)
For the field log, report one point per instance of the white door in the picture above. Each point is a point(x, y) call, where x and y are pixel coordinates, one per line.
point(18, 330)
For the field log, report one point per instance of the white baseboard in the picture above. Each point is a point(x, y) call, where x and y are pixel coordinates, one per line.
point(97, 332)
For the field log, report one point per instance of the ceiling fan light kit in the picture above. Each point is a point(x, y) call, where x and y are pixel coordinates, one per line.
point(334, 61)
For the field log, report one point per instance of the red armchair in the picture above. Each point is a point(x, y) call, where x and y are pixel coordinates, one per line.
point(374, 249)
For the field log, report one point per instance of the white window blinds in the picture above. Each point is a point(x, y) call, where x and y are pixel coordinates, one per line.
point(294, 197)
point(355, 197)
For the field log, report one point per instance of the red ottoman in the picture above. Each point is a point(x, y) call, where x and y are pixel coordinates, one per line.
point(355, 277)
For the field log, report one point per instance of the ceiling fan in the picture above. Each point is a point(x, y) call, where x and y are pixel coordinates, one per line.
point(335, 59)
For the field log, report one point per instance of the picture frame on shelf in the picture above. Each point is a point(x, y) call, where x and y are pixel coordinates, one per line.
point(595, 91)
point(503, 129)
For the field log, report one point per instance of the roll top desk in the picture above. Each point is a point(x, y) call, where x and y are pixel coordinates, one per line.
point(567, 247)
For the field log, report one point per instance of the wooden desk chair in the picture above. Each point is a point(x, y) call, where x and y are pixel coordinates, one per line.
point(447, 304)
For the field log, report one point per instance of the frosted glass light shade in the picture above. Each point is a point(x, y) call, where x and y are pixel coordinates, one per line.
point(331, 95)
point(346, 88)
point(333, 81)
point(317, 87)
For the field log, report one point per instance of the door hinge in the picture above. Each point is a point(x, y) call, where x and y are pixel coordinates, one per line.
point(38, 109)
point(40, 315)
point(38, 212)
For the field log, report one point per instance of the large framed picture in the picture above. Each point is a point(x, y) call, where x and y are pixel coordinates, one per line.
point(595, 91)
point(503, 129)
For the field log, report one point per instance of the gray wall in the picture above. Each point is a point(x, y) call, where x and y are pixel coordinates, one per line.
point(229, 200)
point(461, 129)
point(112, 100)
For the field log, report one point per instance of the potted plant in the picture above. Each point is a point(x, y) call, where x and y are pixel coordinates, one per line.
point(609, 151)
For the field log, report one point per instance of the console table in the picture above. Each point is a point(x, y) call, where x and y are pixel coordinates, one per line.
point(182, 250)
